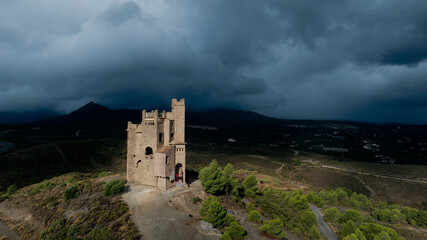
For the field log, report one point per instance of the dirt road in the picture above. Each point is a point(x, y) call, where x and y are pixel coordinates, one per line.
point(316, 163)
point(371, 191)
point(5, 231)
point(375, 175)
point(324, 226)
point(166, 215)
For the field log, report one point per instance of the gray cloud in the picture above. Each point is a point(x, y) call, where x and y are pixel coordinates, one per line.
point(361, 60)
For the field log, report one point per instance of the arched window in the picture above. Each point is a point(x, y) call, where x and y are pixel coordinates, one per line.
point(138, 163)
point(148, 151)
point(178, 172)
point(167, 160)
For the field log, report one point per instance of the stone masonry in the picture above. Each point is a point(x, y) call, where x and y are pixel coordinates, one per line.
point(156, 148)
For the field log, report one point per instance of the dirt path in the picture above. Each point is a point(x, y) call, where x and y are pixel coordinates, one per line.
point(5, 231)
point(166, 215)
point(324, 226)
point(364, 173)
point(375, 175)
point(371, 191)
point(278, 171)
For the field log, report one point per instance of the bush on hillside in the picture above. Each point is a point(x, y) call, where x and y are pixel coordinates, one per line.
point(314, 233)
point(11, 189)
point(212, 179)
point(250, 182)
point(309, 218)
point(332, 214)
point(373, 230)
point(348, 228)
point(235, 230)
point(357, 235)
point(250, 207)
point(254, 216)
point(71, 192)
point(274, 228)
point(250, 193)
point(414, 216)
point(114, 187)
point(214, 213)
point(230, 183)
point(41, 186)
point(352, 214)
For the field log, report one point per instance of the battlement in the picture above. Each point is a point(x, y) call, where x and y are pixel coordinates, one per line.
point(176, 102)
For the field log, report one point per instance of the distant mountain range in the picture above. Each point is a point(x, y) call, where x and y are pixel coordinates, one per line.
point(92, 113)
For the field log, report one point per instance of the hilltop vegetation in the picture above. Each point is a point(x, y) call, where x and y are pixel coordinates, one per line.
point(71, 206)
point(353, 216)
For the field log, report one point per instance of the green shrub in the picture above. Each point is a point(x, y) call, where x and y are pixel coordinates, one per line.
point(348, 228)
point(58, 230)
point(114, 187)
point(332, 197)
point(41, 186)
point(254, 216)
point(414, 216)
point(354, 203)
point(387, 215)
point(341, 195)
point(225, 236)
point(357, 235)
point(196, 199)
point(332, 214)
point(309, 218)
point(299, 202)
point(351, 237)
point(372, 230)
point(11, 190)
point(71, 192)
point(250, 193)
point(212, 179)
point(250, 182)
point(105, 173)
point(235, 231)
point(352, 214)
point(250, 207)
point(314, 233)
point(4, 197)
point(230, 183)
point(274, 228)
point(315, 199)
point(214, 213)
point(100, 234)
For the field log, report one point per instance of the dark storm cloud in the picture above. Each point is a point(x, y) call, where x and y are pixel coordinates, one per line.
point(362, 60)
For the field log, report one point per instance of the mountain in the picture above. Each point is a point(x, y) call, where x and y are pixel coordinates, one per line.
point(91, 113)
point(223, 116)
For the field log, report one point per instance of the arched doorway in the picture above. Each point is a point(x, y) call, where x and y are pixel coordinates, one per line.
point(179, 174)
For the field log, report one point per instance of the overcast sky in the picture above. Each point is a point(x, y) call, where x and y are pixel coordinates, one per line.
point(329, 59)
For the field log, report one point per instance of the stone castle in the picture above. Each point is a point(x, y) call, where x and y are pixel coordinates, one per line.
point(156, 148)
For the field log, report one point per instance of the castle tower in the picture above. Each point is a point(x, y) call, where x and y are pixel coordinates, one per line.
point(156, 148)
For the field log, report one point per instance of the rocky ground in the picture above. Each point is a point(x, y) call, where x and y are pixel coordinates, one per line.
point(170, 214)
